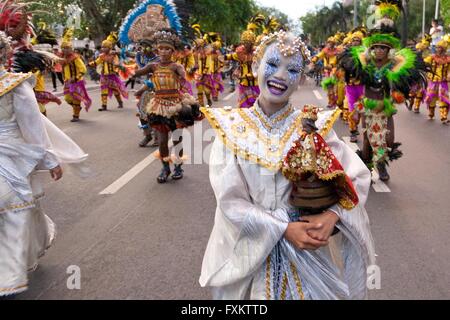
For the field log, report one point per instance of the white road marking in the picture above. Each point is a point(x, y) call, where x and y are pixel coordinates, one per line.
point(318, 95)
point(130, 175)
point(228, 97)
point(378, 185)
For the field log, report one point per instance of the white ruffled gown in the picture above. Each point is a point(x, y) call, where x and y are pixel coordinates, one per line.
point(28, 142)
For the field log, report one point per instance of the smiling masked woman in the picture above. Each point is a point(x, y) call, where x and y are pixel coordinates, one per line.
point(262, 246)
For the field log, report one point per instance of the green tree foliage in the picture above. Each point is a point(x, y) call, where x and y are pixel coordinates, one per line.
point(326, 21)
point(445, 10)
point(227, 17)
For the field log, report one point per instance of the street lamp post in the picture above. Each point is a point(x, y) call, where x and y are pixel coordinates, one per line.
point(424, 17)
point(436, 14)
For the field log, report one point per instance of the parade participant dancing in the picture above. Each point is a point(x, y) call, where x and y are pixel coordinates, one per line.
point(37, 63)
point(28, 142)
point(329, 57)
point(354, 91)
point(74, 69)
point(203, 77)
point(248, 85)
point(215, 58)
point(438, 78)
point(139, 27)
point(418, 94)
point(186, 58)
point(387, 72)
point(258, 245)
point(169, 109)
point(110, 82)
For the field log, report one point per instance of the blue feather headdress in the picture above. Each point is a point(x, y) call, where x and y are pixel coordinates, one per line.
point(169, 11)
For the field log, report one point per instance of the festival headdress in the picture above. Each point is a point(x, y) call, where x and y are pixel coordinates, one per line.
point(167, 37)
point(67, 40)
point(5, 41)
point(146, 19)
point(110, 41)
point(199, 41)
point(443, 44)
point(384, 32)
point(271, 25)
point(214, 39)
point(249, 36)
point(44, 36)
point(15, 19)
point(287, 50)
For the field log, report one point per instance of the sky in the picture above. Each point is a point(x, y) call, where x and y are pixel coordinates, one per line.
point(295, 8)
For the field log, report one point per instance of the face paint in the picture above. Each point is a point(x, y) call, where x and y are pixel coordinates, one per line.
point(272, 63)
point(295, 68)
point(279, 75)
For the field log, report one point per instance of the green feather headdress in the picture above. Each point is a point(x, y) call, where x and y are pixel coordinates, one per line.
point(382, 39)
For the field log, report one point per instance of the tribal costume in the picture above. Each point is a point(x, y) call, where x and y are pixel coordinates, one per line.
point(418, 94)
point(438, 78)
point(139, 27)
point(329, 57)
point(187, 60)
point(74, 69)
point(109, 65)
point(203, 77)
point(248, 254)
point(248, 85)
point(387, 72)
point(354, 90)
point(216, 65)
point(169, 109)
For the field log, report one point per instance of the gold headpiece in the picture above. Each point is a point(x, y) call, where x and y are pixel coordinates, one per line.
point(248, 36)
point(110, 41)
point(67, 38)
point(442, 44)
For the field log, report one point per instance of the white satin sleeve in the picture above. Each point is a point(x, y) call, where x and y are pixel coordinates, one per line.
point(30, 123)
point(244, 233)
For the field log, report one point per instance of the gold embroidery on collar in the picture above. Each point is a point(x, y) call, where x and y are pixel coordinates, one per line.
point(281, 117)
point(15, 80)
point(296, 125)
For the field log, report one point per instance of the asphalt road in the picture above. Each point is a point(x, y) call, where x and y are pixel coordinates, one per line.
point(146, 241)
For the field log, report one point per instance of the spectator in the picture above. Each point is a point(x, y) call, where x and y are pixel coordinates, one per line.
point(436, 32)
point(57, 70)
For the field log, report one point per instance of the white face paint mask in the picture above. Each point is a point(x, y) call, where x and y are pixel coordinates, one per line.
point(279, 75)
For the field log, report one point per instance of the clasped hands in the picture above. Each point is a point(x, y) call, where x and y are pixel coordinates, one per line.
point(312, 232)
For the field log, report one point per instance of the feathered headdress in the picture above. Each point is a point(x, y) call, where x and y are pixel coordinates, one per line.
point(32, 60)
point(110, 41)
point(148, 17)
point(67, 38)
point(214, 39)
point(271, 25)
point(15, 19)
point(384, 32)
point(44, 36)
point(256, 23)
point(254, 26)
point(200, 41)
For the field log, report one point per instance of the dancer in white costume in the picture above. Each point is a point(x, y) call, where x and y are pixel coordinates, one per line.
point(258, 249)
point(28, 142)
